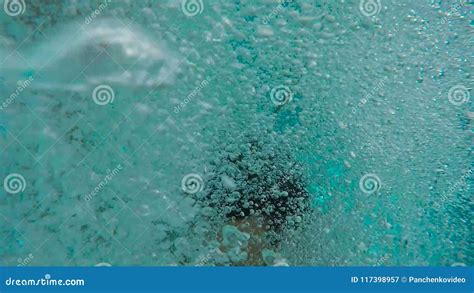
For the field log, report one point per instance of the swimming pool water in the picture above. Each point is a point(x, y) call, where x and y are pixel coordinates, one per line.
point(333, 132)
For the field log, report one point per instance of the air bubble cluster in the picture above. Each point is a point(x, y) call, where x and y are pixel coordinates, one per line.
point(256, 179)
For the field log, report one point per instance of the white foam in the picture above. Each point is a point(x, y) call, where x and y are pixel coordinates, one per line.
point(104, 51)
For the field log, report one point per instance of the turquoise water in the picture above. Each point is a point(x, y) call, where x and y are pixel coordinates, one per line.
point(236, 133)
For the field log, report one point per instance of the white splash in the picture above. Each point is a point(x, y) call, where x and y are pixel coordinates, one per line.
point(107, 51)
